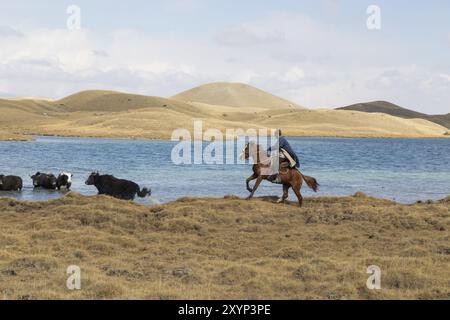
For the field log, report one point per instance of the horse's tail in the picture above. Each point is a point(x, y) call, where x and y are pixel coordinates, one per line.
point(311, 182)
point(145, 192)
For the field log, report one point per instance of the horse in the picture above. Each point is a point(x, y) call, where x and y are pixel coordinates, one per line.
point(290, 177)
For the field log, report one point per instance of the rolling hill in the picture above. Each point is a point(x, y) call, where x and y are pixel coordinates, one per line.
point(112, 101)
point(397, 111)
point(122, 115)
point(234, 95)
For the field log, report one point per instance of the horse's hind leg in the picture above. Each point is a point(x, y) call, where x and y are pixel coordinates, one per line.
point(296, 187)
point(285, 193)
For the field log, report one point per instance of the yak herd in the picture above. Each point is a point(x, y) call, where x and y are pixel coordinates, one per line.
point(105, 184)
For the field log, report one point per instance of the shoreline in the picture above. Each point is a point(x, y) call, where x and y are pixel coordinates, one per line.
point(31, 137)
point(15, 137)
point(268, 198)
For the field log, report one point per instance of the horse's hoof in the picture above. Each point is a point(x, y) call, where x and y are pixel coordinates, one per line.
point(248, 198)
point(280, 200)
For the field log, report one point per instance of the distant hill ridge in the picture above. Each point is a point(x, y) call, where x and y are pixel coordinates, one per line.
point(99, 100)
point(397, 111)
point(98, 113)
point(235, 95)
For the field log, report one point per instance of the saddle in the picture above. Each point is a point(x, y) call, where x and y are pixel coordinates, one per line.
point(285, 162)
point(287, 157)
point(284, 166)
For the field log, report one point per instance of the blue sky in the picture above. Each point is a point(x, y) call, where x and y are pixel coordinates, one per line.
point(317, 53)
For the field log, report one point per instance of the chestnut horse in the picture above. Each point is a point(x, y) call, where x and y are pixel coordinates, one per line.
point(290, 177)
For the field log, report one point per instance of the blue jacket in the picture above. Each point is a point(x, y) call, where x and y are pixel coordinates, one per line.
point(284, 144)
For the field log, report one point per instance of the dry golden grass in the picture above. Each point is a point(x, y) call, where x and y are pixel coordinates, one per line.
point(224, 248)
point(237, 95)
point(6, 136)
point(121, 115)
point(324, 122)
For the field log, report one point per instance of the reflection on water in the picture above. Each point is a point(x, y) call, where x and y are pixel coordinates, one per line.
point(402, 169)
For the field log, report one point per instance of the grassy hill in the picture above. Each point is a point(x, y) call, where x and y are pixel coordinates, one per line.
point(224, 248)
point(111, 101)
point(122, 115)
point(395, 110)
point(235, 95)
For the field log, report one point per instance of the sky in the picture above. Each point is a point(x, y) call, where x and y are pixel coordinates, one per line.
point(319, 54)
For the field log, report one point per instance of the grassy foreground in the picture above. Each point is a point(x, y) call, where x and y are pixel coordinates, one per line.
point(224, 248)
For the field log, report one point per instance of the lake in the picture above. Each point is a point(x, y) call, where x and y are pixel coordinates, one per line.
point(405, 170)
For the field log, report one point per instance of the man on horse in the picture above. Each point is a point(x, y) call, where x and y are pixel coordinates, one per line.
point(264, 168)
point(285, 152)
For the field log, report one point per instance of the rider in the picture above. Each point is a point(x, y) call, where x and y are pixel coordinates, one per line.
point(285, 151)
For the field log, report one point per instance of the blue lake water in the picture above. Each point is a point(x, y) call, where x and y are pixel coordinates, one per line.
point(405, 170)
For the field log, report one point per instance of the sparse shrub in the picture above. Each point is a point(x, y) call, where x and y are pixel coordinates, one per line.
point(303, 273)
point(236, 275)
point(181, 272)
point(291, 253)
point(360, 195)
point(33, 264)
point(405, 280)
point(231, 197)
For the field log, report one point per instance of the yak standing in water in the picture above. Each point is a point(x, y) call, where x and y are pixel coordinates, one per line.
point(43, 180)
point(10, 183)
point(64, 180)
point(117, 188)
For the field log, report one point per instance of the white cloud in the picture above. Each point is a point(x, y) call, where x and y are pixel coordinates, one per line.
point(294, 74)
point(445, 76)
point(287, 54)
point(409, 86)
point(58, 62)
point(248, 35)
point(183, 5)
point(244, 76)
point(7, 31)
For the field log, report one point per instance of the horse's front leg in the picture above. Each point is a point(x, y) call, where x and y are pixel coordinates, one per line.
point(255, 187)
point(285, 193)
point(251, 178)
